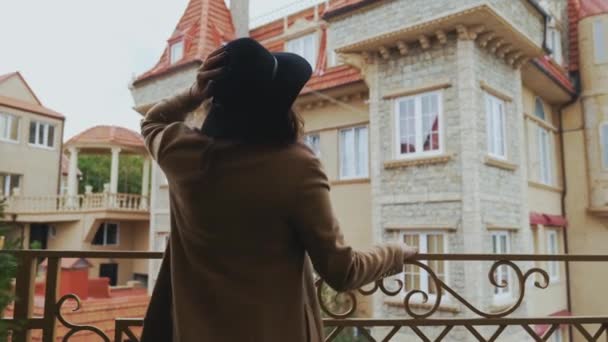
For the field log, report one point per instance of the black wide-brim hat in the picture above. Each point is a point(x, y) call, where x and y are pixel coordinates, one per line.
point(257, 84)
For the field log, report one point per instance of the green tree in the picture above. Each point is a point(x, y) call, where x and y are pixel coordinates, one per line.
point(95, 170)
point(8, 270)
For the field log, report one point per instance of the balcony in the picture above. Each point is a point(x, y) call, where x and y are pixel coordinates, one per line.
point(340, 308)
point(79, 203)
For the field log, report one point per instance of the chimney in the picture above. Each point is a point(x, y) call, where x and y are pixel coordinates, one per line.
point(240, 17)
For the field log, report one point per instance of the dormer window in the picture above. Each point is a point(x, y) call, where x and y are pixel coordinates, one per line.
point(176, 51)
point(305, 46)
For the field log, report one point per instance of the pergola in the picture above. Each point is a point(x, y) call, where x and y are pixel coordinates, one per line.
point(99, 140)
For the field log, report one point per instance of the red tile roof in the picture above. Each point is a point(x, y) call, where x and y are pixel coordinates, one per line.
point(204, 26)
point(557, 74)
point(29, 107)
point(97, 312)
point(108, 134)
point(37, 107)
point(592, 7)
point(323, 77)
point(578, 10)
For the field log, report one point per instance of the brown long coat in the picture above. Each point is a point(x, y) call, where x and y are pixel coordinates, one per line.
point(243, 220)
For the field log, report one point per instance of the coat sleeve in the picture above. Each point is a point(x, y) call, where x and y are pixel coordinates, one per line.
point(168, 139)
point(334, 260)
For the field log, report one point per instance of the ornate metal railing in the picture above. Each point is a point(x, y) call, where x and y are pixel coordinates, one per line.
point(341, 308)
point(67, 204)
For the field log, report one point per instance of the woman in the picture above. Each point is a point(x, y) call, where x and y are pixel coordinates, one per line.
point(249, 206)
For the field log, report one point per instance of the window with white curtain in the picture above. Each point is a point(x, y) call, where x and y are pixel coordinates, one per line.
point(42, 134)
point(553, 248)
point(417, 278)
point(354, 159)
point(545, 155)
point(9, 127)
point(176, 51)
point(501, 245)
point(418, 125)
point(305, 46)
point(313, 141)
point(600, 41)
point(495, 126)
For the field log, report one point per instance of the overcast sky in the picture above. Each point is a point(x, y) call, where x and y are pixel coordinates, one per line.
point(79, 56)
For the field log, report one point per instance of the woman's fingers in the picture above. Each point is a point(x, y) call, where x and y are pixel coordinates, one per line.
point(213, 61)
point(204, 76)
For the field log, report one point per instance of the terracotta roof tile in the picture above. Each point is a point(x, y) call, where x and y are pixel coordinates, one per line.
point(98, 312)
point(333, 77)
point(204, 26)
point(592, 7)
point(29, 107)
point(556, 73)
point(110, 135)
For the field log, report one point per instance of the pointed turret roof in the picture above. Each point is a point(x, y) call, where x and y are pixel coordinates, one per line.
point(203, 27)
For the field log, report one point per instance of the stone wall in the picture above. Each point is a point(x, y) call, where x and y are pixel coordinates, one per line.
point(397, 14)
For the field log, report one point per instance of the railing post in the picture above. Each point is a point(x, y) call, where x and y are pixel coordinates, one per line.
point(50, 299)
point(24, 291)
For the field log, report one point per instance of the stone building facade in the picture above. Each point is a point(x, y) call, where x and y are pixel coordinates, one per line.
point(439, 124)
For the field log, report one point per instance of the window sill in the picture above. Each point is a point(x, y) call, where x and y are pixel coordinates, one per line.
point(423, 160)
point(495, 91)
point(398, 302)
point(501, 164)
point(545, 187)
point(9, 141)
point(544, 124)
point(43, 147)
point(350, 181)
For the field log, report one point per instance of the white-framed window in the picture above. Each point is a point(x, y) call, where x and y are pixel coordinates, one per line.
point(176, 51)
point(313, 140)
point(419, 125)
point(354, 149)
point(305, 46)
point(501, 244)
point(539, 109)
point(332, 58)
point(496, 126)
point(42, 134)
point(553, 248)
point(604, 143)
point(107, 234)
point(9, 127)
point(417, 278)
point(600, 41)
point(8, 183)
point(545, 155)
point(554, 41)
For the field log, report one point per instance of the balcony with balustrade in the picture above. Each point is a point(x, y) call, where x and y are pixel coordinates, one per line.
point(57, 318)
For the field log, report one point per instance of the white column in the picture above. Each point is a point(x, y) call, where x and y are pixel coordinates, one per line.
point(145, 184)
point(114, 170)
point(73, 172)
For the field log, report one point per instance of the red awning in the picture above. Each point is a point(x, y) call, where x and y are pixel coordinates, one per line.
point(548, 220)
point(541, 329)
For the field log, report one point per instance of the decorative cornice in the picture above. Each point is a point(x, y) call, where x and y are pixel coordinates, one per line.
point(440, 159)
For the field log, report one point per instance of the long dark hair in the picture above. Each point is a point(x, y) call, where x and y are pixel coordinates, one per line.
point(271, 129)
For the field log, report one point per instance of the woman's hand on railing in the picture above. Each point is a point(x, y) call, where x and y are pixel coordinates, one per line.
point(409, 252)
